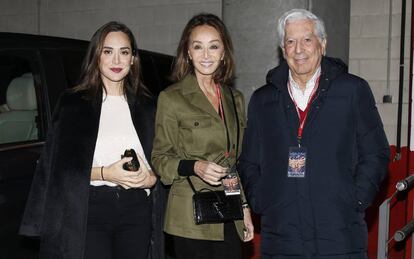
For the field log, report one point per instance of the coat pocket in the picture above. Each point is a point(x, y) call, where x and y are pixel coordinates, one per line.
point(195, 134)
point(195, 122)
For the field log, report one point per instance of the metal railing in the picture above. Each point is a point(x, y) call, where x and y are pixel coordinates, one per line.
point(384, 222)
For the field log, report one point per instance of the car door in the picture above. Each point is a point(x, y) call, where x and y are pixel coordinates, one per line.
point(21, 139)
point(46, 72)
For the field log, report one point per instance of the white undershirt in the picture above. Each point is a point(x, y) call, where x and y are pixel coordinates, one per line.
point(302, 98)
point(116, 133)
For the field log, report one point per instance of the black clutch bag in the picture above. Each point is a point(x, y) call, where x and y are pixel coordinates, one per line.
point(214, 206)
point(132, 165)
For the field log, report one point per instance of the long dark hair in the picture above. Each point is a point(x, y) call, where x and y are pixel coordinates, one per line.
point(90, 79)
point(183, 66)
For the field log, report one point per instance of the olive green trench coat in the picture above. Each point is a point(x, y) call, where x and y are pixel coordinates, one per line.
point(188, 128)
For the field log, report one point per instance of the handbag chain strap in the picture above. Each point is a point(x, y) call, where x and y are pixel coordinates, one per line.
point(237, 141)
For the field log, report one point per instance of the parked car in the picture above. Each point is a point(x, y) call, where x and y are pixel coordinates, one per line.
point(34, 71)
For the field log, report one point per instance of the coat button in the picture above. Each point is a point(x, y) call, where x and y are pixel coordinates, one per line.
point(196, 123)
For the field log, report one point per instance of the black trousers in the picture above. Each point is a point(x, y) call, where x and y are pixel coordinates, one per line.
point(230, 248)
point(119, 223)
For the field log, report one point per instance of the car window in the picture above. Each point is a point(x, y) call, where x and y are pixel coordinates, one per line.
point(18, 100)
point(61, 69)
point(164, 65)
point(72, 64)
point(156, 71)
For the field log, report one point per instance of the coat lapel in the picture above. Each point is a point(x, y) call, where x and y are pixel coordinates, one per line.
point(88, 123)
point(195, 95)
point(142, 115)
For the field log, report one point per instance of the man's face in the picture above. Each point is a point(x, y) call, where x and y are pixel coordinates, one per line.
point(303, 50)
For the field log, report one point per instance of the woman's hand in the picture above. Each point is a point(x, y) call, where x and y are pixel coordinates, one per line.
point(210, 172)
point(143, 178)
point(248, 224)
point(146, 177)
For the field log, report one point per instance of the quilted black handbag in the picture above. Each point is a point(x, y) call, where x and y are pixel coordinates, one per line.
point(214, 206)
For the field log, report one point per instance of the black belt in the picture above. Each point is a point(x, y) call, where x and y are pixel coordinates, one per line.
point(109, 188)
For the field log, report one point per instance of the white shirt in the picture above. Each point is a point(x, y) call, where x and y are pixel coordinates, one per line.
point(116, 133)
point(302, 98)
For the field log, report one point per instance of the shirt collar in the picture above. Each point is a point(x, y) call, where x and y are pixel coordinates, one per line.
point(311, 82)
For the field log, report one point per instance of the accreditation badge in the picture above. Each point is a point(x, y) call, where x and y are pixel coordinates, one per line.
point(297, 162)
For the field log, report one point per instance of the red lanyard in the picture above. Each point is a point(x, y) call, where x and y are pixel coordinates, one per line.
point(304, 114)
point(221, 113)
point(220, 104)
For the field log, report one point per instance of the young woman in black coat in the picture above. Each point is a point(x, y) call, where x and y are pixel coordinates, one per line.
point(83, 203)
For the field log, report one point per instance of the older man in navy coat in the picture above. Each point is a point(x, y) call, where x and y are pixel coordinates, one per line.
point(314, 151)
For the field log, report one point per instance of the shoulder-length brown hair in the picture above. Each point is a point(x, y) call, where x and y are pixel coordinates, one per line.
point(90, 78)
point(183, 66)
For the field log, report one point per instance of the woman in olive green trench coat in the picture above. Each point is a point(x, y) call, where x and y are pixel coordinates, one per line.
point(195, 126)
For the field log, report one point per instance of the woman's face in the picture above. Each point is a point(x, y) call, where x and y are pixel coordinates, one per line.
point(116, 59)
point(206, 50)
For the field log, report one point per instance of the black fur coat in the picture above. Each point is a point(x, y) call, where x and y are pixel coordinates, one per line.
point(57, 206)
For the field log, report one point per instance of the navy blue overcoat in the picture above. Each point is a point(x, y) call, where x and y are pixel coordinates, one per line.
point(347, 157)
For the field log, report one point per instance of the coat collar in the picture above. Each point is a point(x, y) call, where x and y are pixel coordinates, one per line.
point(142, 114)
point(331, 68)
point(192, 91)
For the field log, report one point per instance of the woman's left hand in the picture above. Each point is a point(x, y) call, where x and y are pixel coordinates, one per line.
point(248, 224)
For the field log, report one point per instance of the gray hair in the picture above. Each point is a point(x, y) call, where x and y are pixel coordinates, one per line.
point(296, 15)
